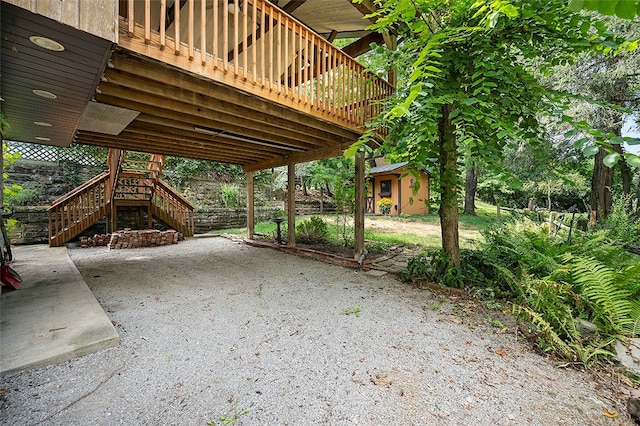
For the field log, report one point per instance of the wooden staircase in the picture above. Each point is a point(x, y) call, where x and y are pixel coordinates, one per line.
point(133, 181)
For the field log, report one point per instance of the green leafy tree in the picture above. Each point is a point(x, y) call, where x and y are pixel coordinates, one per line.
point(626, 9)
point(612, 81)
point(469, 81)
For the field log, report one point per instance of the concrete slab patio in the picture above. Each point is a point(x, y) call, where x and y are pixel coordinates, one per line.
point(53, 317)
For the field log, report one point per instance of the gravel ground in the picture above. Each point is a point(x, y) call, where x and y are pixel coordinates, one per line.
point(213, 328)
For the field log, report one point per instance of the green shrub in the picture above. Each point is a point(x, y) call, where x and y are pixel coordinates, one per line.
point(551, 284)
point(230, 195)
point(312, 231)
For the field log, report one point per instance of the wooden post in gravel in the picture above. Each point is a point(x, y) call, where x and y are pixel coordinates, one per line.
point(291, 210)
point(359, 207)
point(250, 206)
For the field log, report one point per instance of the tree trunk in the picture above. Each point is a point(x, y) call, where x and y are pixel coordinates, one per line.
point(448, 186)
point(625, 170)
point(601, 182)
point(470, 187)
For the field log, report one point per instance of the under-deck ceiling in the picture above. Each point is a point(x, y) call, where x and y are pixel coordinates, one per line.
point(45, 91)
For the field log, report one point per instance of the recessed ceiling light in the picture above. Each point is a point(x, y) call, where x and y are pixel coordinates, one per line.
point(44, 94)
point(42, 123)
point(46, 43)
point(40, 138)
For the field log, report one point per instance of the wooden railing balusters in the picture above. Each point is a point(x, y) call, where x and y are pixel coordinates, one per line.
point(271, 48)
point(176, 27)
point(236, 41)
point(147, 21)
point(190, 30)
point(225, 34)
point(214, 45)
point(245, 50)
point(254, 34)
point(203, 32)
point(262, 46)
point(163, 23)
point(317, 76)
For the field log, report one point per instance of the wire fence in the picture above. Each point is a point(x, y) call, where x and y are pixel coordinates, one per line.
point(54, 154)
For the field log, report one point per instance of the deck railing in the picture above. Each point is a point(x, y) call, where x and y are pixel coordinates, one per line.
point(77, 210)
point(173, 209)
point(258, 47)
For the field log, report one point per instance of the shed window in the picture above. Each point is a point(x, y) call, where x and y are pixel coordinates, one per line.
point(385, 188)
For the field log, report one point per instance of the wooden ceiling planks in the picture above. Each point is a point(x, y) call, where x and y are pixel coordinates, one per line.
point(186, 115)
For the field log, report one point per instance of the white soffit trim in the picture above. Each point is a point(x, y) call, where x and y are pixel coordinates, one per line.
point(107, 119)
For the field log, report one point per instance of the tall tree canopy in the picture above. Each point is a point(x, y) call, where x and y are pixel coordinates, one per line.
point(466, 81)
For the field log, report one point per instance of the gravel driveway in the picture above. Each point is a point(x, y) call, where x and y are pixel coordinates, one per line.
point(213, 328)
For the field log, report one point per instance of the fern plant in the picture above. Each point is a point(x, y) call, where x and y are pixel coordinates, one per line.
point(610, 294)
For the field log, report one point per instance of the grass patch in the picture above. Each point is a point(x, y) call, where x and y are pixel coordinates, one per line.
point(379, 240)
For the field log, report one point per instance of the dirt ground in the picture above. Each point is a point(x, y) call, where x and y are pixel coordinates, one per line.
point(217, 331)
point(420, 229)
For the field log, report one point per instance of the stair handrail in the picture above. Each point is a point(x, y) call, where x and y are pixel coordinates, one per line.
point(164, 185)
point(168, 202)
point(73, 193)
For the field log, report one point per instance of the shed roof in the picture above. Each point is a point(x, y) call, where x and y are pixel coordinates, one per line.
point(387, 168)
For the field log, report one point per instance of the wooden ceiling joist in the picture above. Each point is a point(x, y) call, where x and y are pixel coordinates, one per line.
point(181, 129)
point(150, 104)
point(119, 85)
point(217, 141)
point(162, 147)
point(165, 75)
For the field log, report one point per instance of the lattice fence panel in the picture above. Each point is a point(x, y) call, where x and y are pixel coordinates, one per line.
point(54, 154)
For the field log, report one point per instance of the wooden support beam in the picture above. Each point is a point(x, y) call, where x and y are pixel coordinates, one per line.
point(359, 206)
point(291, 208)
point(332, 36)
point(363, 45)
point(366, 7)
point(292, 6)
point(250, 206)
point(301, 157)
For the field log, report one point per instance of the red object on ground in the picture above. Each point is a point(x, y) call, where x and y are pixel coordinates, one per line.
point(10, 278)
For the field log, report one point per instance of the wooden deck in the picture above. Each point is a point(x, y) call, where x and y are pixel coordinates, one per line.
point(254, 87)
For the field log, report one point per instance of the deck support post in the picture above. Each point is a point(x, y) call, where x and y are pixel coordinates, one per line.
point(291, 208)
point(113, 217)
point(359, 208)
point(250, 206)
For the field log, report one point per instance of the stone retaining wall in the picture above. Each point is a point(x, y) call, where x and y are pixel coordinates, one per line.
point(32, 222)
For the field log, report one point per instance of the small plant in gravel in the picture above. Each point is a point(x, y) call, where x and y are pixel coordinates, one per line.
point(496, 323)
point(231, 418)
point(352, 311)
point(436, 306)
point(168, 357)
point(260, 288)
